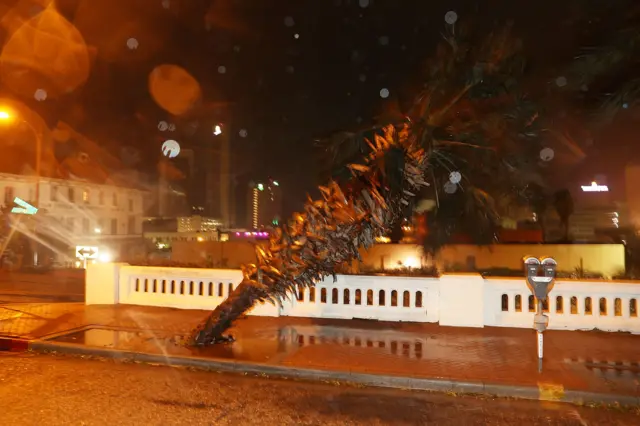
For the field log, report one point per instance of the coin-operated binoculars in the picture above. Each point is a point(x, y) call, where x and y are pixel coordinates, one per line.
point(540, 275)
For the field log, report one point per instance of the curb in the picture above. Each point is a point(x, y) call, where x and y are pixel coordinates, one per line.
point(12, 344)
point(372, 380)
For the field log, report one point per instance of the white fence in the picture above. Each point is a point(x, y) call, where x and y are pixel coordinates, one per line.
point(452, 300)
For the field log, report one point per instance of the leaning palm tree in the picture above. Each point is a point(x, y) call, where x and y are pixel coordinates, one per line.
point(389, 165)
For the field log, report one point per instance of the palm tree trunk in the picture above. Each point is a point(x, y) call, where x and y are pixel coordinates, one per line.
point(220, 320)
point(565, 231)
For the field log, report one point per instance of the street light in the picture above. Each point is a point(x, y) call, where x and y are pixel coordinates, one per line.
point(6, 116)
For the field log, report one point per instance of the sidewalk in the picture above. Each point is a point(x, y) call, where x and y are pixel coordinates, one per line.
point(596, 362)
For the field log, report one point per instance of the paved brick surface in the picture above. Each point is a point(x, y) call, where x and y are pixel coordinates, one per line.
point(589, 361)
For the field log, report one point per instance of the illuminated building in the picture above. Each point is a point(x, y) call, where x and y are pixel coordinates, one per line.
point(597, 208)
point(264, 200)
point(73, 213)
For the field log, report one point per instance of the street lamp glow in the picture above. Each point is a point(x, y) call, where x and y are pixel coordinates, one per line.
point(217, 130)
point(275, 182)
point(260, 187)
point(97, 230)
point(4, 115)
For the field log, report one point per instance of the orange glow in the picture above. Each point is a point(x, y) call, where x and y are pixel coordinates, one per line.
point(43, 53)
point(174, 89)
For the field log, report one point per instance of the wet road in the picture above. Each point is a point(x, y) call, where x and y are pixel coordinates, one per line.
point(49, 287)
point(62, 390)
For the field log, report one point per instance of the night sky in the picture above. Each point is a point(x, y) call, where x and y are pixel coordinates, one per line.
point(286, 72)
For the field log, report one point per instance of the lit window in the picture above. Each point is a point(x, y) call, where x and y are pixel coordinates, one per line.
point(85, 196)
point(8, 195)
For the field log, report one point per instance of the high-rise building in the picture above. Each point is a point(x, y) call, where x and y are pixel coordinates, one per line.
point(264, 202)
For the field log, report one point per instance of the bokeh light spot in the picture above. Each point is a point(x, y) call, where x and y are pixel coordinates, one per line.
point(450, 17)
point(174, 89)
point(170, 148)
point(546, 154)
point(450, 187)
point(132, 43)
point(42, 52)
point(40, 95)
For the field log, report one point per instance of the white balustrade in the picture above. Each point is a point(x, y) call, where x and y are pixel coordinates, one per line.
point(452, 300)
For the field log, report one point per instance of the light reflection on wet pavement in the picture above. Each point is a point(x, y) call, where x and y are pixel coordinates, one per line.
point(500, 356)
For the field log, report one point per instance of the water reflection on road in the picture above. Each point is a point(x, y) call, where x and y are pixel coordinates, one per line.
point(271, 342)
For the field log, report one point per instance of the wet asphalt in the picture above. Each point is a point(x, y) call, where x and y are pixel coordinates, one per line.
point(37, 389)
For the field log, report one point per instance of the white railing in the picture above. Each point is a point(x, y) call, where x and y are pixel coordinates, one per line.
point(572, 305)
point(452, 300)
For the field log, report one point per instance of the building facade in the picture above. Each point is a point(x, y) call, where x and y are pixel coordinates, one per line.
point(75, 213)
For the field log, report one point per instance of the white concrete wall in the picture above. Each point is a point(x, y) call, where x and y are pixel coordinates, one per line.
point(462, 302)
point(382, 298)
point(185, 288)
point(459, 300)
point(507, 305)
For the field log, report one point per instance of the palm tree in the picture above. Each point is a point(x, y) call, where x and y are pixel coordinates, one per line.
point(563, 203)
point(381, 171)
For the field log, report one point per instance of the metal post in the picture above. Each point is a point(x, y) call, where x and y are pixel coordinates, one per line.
point(540, 337)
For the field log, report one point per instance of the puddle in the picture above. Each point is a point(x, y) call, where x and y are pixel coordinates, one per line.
point(608, 369)
point(265, 344)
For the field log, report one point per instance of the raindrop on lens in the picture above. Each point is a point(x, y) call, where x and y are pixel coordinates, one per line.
point(290, 69)
point(546, 154)
point(296, 36)
point(455, 177)
point(384, 93)
point(172, 127)
point(364, 3)
point(289, 22)
point(450, 187)
point(40, 95)
point(222, 69)
point(166, 4)
point(363, 78)
point(384, 40)
point(243, 133)
point(450, 17)
point(162, 126)
point(561, 81)
point(132, 43)
point(170, 148)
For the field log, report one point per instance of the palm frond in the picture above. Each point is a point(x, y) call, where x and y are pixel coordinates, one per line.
point(331, 230)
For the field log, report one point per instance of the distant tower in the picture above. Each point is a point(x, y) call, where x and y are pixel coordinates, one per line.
point(264, 202)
